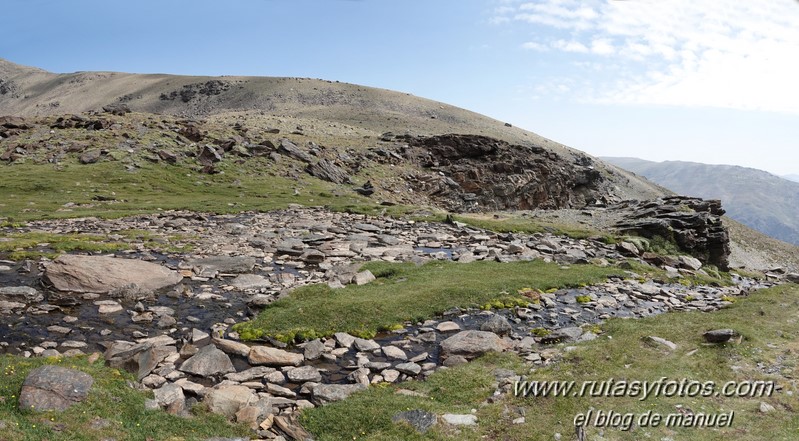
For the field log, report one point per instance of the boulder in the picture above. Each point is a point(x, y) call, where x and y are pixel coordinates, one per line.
point(228, 399)
point(719, 335)
point(328, 171)
point(471, 344)
point(102, 274)
point(497, 324)
point(290, 149)
point(54, 388)
point(208, 361)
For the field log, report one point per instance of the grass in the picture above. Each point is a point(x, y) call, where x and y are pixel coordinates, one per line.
point(766, 319)
point(111, 401)
point(30, 245)
point(407, 293)
point(106, 189)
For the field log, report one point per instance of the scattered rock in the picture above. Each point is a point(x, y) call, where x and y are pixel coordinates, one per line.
point(228, 399)
point(264, 355)
point(663, 342)
point(328, 393)
point(497, 324)
point(207, 362)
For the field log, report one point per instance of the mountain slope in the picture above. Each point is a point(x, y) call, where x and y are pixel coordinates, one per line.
point(753, 197)
point(322, 110)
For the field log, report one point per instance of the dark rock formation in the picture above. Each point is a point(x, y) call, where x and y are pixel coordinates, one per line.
point(328, 171)
point(479, 173)
point(693, 224)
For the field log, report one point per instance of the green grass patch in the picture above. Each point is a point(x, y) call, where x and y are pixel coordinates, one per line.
point(405, 292)
point(769, 351)
point(30, 245)
point(107, 189)
point(118, 407)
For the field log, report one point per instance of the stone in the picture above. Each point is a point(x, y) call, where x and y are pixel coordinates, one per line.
point(291, 428)
point(303, 374)
point(459, 420)
point(250, 281)
point(90, 157)
point(207, 362)
point(471, 344)
point(420, 420)
point(290, 149)
point(562, 335)
point(363, 277)
point(264, 355)
point(313, 349)
point(394, 353)
point(691, 263)
point(313, 256)
point(224, 264)
point(390, 375)
point(327, 171)
point(102, 274)
point(250, 374)
point(719, 335)
point(52, 387)
point(343, 339)
point(409, 368)
point(497, 324)
point(663, 342)
point(232, 347)
point(148, 359)
point(365, 345)
point(328, 393)
point(228, 399)
point(448, 327)
point(21, 293)
point(766, 407)
point(792, 277)
point(169, 394)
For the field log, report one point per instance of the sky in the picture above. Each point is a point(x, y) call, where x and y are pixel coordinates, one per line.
point(712, 81)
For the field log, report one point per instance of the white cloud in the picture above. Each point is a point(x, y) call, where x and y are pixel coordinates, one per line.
point(570, 46)
point(720, 53)
point(532, 45)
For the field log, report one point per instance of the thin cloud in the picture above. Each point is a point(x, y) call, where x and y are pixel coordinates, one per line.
point(681, 52)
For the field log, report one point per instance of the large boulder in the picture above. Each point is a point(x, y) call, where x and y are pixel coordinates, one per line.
point(54, 388)
point(103, 274)
point(472, 344)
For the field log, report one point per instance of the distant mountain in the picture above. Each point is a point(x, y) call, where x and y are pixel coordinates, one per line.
point(755, 198)
point(794, 178)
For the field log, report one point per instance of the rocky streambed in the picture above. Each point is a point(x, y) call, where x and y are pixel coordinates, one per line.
point(165, 315)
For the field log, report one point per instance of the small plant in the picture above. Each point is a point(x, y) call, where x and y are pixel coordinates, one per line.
point(690, 298)
point(540, 332)
point(729, 299)
point(583, 299)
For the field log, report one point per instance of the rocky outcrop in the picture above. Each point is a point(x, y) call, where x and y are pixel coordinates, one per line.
point(473, 173)
point(693, 224)
point(102, 274)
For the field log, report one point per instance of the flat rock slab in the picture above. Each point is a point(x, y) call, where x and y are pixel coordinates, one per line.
point(20, 293)
point(103, 274)
point(327, 393)
point(54, 388)
point(459, 420)
point(264, 355)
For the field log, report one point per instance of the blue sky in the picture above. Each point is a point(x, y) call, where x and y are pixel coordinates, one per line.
point(698, 80)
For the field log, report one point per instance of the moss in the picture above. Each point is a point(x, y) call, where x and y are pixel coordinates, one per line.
point(583, 299)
